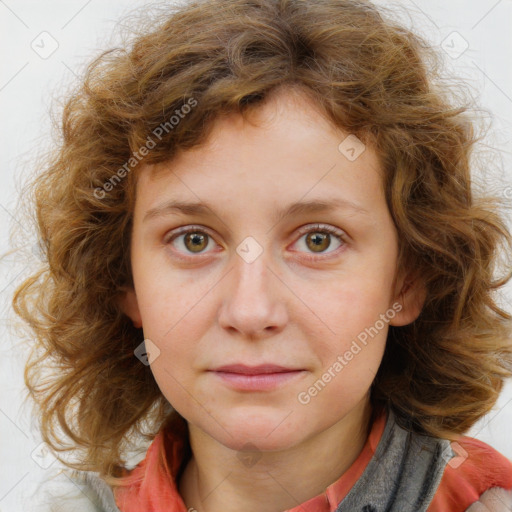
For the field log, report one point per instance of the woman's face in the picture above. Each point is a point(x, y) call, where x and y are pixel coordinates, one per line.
point(297, 314)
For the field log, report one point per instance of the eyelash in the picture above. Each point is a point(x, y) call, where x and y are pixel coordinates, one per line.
point(321, 228)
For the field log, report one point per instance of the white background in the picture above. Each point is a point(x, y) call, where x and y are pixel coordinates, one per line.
point(81, 29)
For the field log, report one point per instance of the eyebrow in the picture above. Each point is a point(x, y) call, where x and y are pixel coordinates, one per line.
point(299, 207)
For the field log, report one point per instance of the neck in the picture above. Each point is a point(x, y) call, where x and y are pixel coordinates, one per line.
point(216, 480)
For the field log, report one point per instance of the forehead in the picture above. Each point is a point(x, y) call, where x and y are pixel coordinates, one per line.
point(286, 150)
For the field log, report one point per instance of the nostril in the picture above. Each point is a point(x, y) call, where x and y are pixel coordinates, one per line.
point(369, 508)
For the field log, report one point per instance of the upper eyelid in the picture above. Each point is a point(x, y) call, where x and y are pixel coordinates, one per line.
point(186, 229)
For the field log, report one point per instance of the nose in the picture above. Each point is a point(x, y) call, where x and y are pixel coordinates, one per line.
point(253, 302)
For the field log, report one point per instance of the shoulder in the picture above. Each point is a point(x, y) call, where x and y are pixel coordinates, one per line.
point(76, 491)
point(475, 475)
point(96, 490)
point(493, 500)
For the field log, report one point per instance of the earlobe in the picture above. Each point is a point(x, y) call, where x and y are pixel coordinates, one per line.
point(130, 306)
point(411, 296)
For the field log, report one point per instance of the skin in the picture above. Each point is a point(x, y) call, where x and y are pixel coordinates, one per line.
point(209, 308)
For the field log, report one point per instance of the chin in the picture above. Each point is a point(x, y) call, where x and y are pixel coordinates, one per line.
point(270, 430)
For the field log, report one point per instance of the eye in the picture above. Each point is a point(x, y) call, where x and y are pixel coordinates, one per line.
point(318, 238)
point(193, 240)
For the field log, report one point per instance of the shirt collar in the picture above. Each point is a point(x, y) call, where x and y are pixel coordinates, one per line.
point(152, 485)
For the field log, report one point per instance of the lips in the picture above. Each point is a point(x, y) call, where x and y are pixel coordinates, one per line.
point(242, 369)
point(263, 377)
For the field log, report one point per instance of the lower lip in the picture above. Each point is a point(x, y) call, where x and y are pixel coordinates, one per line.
point(259, 382)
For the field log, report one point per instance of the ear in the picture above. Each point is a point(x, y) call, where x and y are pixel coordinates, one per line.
point(130, 306)
point(410, 292)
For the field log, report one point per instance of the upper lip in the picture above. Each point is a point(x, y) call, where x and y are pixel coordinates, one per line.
point(254, 370)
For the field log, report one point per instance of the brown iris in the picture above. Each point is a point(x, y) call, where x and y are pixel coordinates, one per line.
point(197, 241)
point(320, 241)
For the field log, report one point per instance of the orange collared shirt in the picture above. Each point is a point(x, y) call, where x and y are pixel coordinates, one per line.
point(152, 485)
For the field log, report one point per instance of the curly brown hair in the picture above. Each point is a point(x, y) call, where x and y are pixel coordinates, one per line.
point(369, 75)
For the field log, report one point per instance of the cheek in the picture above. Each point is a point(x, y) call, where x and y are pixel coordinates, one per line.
point(169, 300)
point(348, 360)
point(348, 306)
point(175, 317)
point(174, 369)
point(350, 345)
